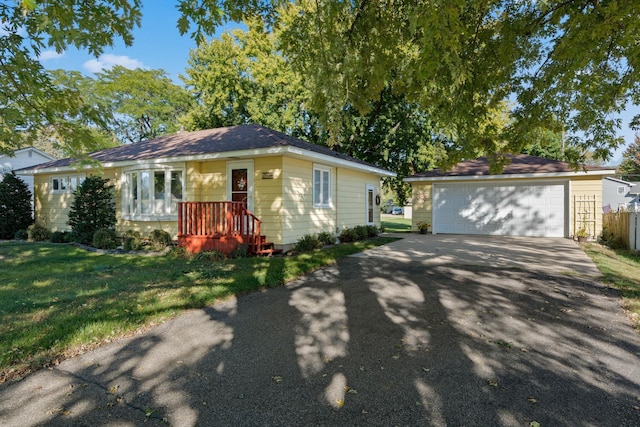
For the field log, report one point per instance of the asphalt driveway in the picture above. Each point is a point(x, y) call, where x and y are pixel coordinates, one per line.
point(430, 330)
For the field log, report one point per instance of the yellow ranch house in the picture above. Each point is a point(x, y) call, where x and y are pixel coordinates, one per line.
point(219, 188)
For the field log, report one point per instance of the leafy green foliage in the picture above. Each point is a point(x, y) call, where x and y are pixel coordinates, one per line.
point(105, 238)
point(326, 238)
point(30, 101)
point(159, 239)
point(243, 78)
point(139, 104)
point(629, 168)
point(38, 233)
point(15, 206)
point(21, 235)
point(132, 241)
point(92, 209)
point(308, 242)
point(61, 237)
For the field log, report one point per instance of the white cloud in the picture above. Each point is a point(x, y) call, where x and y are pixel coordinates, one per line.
point(108, 61)
point(50, 54)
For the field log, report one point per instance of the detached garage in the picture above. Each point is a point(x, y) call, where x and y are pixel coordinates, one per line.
point(531, 197)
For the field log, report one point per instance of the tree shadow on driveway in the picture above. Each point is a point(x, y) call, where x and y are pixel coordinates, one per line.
point(373, 340)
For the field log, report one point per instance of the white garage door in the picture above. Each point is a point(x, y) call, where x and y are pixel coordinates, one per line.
point(500, 209)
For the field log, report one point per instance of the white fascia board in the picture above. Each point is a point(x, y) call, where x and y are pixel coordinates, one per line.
point(620, 181)
point(229, 155)
point(511, 176)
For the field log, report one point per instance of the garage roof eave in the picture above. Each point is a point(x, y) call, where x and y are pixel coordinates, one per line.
point(602, 173)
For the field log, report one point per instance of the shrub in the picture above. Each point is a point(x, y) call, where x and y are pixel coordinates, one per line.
point(308, 242)
point(159, 239)
point(21, 235)
point(105, 238)
point(362, 232)
point(60, 237)
point(132, 241)
point(326, 238)
point(242, 251)
point(38, 233)
point(348, 235)
point(92, 209)
point(372, 231)
point(15, 206)
point(607, 238)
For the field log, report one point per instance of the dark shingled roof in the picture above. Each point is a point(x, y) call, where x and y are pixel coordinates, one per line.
point(519, 164)
point(220, 140)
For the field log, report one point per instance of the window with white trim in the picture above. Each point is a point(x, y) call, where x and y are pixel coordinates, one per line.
point(622, 190)
point(152, 194)
point(321, 186)
point(65, 183)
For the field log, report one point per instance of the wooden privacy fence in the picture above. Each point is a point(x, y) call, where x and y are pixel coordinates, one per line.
point(624, 226)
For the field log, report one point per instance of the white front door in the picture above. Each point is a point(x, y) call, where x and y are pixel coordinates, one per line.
point(240, 182)
point(370, 205)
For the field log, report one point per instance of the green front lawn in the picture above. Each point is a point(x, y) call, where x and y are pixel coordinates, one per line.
point(59, 300)
point(621, 269)
point(395, 224)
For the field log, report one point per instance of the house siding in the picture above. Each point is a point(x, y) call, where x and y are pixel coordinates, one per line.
point(268, 199)
point(299, 215)
point(585, 187)
point(351, 198)
point(422, 207)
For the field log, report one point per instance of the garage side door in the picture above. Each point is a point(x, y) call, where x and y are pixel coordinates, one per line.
point(500, 209)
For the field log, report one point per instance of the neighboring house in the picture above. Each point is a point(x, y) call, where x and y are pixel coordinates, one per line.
point(245, 179)
point(617, 194)
point(23, 158)
point(531, 197)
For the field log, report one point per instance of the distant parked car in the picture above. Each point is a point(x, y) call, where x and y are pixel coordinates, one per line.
point(396, 211)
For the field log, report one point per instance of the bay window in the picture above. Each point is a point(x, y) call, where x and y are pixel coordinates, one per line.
point(152, 194)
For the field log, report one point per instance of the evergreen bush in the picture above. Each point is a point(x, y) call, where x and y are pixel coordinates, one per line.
point(60, 237)
point(308, 242)
point(21, 235)
point(105, 238)
point(348, 235)
point(372, 231)
point(326, 238)
point(15, 206)
point(92, 209)
point(132, 241)
point(159, 239)
point(362, 232)
point(38, 233)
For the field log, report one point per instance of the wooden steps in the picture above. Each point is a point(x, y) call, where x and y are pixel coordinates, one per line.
point(264, 248)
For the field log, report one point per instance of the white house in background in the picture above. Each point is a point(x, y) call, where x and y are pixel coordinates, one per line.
point(23, 158)
point(617, 193)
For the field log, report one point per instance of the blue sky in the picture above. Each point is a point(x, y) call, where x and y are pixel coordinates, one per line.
point(158, 44)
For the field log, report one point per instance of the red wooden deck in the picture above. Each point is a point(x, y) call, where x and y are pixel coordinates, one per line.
point(220, 226)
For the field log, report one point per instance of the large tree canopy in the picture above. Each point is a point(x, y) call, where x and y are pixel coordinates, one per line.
point(561, 64)
point(243, 78)
point(30, 102)
point(629, 169)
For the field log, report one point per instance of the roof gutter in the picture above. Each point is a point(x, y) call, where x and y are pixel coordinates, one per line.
point(510, 176)
point(272, 151)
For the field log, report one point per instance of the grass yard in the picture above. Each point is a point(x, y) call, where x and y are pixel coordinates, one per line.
point(395, 224)
point(621, 269)
point(59, 300)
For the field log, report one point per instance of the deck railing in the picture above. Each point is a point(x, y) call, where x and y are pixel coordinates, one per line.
point(219, 219)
